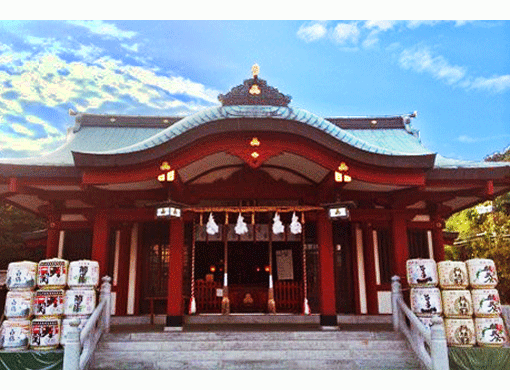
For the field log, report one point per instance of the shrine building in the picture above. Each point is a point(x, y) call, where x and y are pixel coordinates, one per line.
point(252, 206)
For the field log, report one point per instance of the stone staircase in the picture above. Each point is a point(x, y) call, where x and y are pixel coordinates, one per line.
point(252, 347)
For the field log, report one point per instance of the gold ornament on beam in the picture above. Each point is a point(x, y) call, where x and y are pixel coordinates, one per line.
point(255, 70)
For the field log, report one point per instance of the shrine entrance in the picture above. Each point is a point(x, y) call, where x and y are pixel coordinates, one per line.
point(258, 271)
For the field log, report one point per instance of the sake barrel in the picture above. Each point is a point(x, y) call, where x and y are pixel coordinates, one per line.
point(457, 303)
point(422, 273)
point(52, 273)
point(45, 333)
point(482, 273)
point(426, 301)
point(16, 334)
point(453, 275)
point(460, 332)
point(486, 302)
point(83, 273)
point(79, 302)
point(18, 304)
point(66, 326)
point(49, 303)
point(21, 275)
point(490, 332)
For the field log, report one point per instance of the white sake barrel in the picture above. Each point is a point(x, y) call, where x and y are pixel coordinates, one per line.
point(453, 275)
point(457, 303)
point(79, 302)
point(83, 273)
point(45, 333)
point(52, 273)
point(66, 326)
point(490, 332)
point(49, 303)
point(21, 275)
point(486, 302)
point(18, 304)
point(482, 273)
point(422, 273)
point(426, 301)
point(15, 334)
point(460, 332)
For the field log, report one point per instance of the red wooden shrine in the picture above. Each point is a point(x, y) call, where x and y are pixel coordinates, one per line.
point(253, 156)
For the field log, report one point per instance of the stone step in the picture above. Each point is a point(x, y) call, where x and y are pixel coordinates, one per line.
point(374, 345)
point(304, 350)
point(251, 336)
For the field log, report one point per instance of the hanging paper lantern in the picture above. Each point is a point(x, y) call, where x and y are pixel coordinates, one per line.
point(295, 225)
point(241, 227)
point(211, 227)
point(278, 227)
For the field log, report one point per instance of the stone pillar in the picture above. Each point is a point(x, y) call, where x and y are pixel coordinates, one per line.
point(174, 310)
point(328, 317)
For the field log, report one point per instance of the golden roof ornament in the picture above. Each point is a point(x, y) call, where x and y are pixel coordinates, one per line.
point(255, 70)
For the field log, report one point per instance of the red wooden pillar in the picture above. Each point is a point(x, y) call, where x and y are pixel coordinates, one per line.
point(174, 309)
point(438, 240)
point(53, 237)
point(370, 279)
point(100, 240)
point(123, 270)
point(327, 270)
point(400, 244)
point(52, 243)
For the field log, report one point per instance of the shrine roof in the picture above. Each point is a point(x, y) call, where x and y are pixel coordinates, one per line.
point(109, 135)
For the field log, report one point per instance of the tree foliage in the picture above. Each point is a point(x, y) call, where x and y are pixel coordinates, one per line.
point(14, 222)
point(485, 234)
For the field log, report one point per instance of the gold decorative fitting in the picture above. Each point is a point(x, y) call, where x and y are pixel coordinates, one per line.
point(255, 70)
point(255, 142)
point(169, 176)
point(343, 167)
point(255, 90)
point(339, 177)
point(165, 166)
point(255, 155)
point(112, 120)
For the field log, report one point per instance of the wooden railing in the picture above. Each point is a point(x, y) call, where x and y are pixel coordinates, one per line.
point(429, 345)
point(206, 298)
point(80, 346)
point(288, 296)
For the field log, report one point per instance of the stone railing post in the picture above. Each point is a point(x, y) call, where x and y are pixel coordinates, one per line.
point(72, 348)
point(396, 293)
point(438, 346)
point(106, 290)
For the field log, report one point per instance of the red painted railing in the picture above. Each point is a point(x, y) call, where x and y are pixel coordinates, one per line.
point(206, 298)
point(288, 296)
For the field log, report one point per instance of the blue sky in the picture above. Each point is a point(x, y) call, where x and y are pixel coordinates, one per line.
point(455, 74)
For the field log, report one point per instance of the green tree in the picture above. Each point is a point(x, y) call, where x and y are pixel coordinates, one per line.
point(485, 234)
point(14, 222)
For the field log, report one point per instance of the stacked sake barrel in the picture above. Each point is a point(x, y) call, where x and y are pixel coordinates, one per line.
point(489, 326)
point(80, 298)
point(21, 282)
point(48, 304)
point(425, 296)
point(457, 303)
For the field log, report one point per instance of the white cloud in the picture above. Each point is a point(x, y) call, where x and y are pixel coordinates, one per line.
point(133, 47)
point(412, 24)
point(382, 25)
point(313, 32)
point(345, 33)
point(421, 60)
point(20, 129)
point(107, 30)
point(493, 84)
